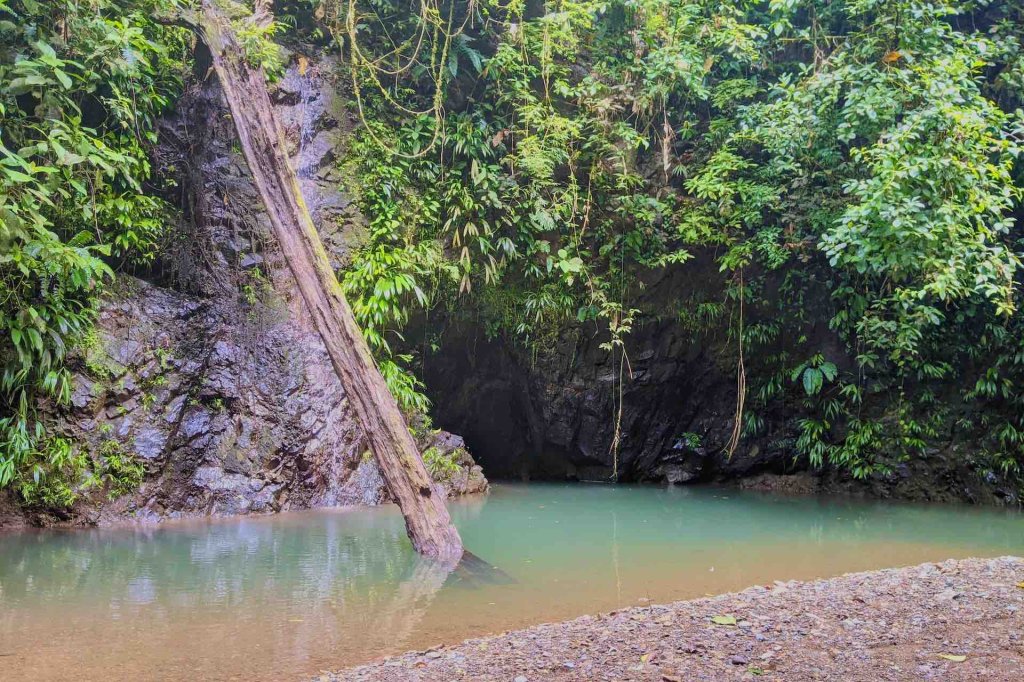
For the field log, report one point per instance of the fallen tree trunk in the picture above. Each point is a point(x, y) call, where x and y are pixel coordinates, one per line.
point(426, 517)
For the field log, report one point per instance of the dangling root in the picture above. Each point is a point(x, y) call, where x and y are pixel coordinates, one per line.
point(741, 386)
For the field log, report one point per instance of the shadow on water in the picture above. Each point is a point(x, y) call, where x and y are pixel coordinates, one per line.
point(472, 572)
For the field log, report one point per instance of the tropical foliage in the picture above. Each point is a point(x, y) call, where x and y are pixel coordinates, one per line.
point(81, 86)
point(852, 167)
point(848, 167)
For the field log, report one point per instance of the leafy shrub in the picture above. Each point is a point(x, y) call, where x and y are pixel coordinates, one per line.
point(442, 466)
point(81, 85)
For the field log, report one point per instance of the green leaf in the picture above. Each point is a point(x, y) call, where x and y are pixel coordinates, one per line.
point(812, 380)
point(798, 371)
point(18, 176)
point(64, 79)
point(45, 49)
point(723, 620)
point(36, 338)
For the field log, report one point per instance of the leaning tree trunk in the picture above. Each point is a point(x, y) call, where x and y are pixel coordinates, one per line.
point(426, 518)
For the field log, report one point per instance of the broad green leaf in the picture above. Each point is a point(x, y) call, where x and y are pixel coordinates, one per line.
point(64, 79)
point(18, 176)
point(45, 49)
point(812, 380)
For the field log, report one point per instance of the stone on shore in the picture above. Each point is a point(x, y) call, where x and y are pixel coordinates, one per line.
point(955, 620)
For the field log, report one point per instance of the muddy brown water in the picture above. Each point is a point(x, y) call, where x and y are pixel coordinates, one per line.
point(286, 596)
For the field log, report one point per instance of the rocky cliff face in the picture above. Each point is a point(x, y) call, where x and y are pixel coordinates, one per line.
point(210, 372)
point(230, 415)
point(553, 412)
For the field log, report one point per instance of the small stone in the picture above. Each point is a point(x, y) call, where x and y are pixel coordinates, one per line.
point(520, 678)
point(738, 660)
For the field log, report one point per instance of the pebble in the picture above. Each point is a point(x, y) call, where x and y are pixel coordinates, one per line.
point(887, 624)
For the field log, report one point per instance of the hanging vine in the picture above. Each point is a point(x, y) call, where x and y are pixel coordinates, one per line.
point(741, 379)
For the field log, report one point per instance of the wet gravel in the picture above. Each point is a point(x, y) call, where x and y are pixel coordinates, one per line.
point(956, 620)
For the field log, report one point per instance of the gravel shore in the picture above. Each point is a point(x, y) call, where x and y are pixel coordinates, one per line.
point(957, 620)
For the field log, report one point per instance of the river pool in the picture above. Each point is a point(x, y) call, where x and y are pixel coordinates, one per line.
point(286, 596)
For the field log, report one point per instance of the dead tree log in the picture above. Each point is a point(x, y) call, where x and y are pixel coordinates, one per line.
point(426, 517)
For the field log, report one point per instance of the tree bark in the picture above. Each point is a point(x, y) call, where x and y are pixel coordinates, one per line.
point(426, 517)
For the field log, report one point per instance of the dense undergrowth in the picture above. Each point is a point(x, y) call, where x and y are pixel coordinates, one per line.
point(850, 167)
point(81, 87)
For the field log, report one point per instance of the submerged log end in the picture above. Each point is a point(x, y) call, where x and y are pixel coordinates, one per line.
point(444, 545)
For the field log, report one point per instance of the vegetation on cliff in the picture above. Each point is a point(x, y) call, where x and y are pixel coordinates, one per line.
point(849, 166)
point(81, 87)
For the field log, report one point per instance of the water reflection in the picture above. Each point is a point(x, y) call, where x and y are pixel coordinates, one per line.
point(285, 596)
point(208, 564)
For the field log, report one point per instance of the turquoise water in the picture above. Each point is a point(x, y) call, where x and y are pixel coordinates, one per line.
point(284, 597)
